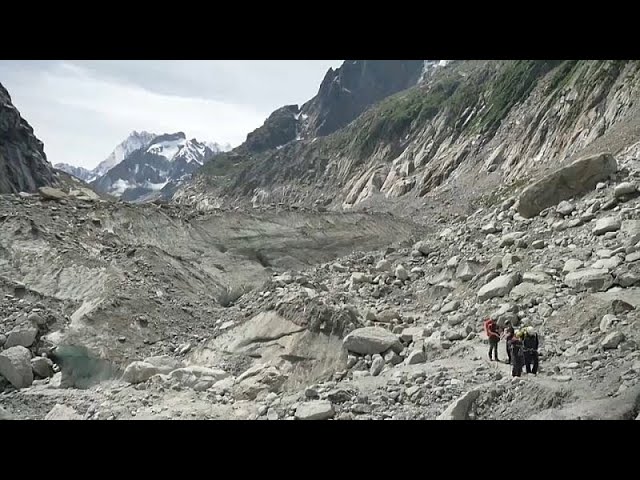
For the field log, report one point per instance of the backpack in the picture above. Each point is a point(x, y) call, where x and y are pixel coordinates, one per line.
point(488, 326)
point(531, 342)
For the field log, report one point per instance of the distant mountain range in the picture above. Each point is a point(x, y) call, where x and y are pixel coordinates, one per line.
point(141, 166)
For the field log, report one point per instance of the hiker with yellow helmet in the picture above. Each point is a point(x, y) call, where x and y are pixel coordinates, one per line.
point(530, 350)
point(517, 359)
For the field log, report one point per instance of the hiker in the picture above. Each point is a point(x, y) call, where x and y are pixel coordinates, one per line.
point(491, 329)
point(530, 347)
point(508, 334)
point(516, 353)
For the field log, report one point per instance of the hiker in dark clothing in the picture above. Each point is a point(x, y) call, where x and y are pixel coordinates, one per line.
point(517, 359)
point(508, 334)
point(491, 328)
point(530, 347)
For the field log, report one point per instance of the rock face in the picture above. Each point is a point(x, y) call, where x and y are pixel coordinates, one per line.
point(349, 90)
point(23, 163)
point(316, 410)
point(499, 286)
point(572, 180)
point(371, 340)
point(15, 366)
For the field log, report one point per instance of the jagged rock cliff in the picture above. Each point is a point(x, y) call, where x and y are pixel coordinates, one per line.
point(23, 163)
point(469, 123)
point(348, 91)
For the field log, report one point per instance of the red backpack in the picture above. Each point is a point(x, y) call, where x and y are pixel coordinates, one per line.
point(488, 326)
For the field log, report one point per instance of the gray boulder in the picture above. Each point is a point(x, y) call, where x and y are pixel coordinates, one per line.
point(371, 340)
point(49, 193)
point(315, 410)
point(15, 366)
point(415, 357)
point(607, 224)
point(612, 340)
point(499, 286)
point(42, 367)
point(450, 307)
point(425, 248)
point(401, 273)
point(376, 365)
point(138, 372)
point(575, 179)
point(597, 280)
point(459, 409)
point(23, 335)
point(624, 189)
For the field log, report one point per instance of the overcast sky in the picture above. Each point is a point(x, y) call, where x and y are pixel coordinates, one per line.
point(82, 109)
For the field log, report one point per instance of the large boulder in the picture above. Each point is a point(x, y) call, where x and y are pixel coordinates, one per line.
point(499, 286)
point(606, 224)
point(575, 179)
point(257, 380)
point(23, 335)
point(316, 410)
point(138, 372)
point(459, 409)
point(371, 340)
point(625, 189)
point(62, 412)
point(42, 367)
point(612, 340)
point(49, 193)
point(15, 366)
point(589, 279)
point(425, 248)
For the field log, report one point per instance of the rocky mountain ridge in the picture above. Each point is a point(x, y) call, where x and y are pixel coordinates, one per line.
point(23, 163)
point(466, 128)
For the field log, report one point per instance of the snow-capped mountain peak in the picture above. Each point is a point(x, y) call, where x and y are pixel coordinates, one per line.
point(167, 146)
point(162, 162)
point(133, 142)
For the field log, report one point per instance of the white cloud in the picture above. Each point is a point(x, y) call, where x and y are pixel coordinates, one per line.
point(81, 111)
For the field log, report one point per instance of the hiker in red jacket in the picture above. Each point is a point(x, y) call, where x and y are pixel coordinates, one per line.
point(491, 328)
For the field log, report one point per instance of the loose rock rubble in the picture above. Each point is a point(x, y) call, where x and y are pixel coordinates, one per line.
point(373, 334)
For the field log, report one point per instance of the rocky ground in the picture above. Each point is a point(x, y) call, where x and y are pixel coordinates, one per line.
point(110, 322)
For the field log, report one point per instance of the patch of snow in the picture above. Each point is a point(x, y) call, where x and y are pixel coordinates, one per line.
point(155, 186)
point(167, 148)
point(119, 187)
